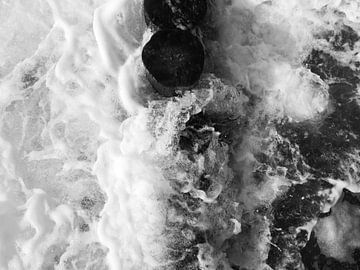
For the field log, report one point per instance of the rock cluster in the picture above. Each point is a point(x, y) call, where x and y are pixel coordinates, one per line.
point(174, 56)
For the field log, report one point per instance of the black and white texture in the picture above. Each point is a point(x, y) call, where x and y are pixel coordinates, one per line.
point(168, 135)
point(309, 155)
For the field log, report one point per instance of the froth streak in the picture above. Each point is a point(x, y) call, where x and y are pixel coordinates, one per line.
point(132, 214)
point(118, 29)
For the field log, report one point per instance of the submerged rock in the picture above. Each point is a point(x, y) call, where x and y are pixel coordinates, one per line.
point(174, 60)
point(166, 14)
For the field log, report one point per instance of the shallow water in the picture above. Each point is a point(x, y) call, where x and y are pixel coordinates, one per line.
point(98, 171)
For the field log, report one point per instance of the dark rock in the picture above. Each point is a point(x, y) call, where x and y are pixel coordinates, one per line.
point(174, 60)
point(167, 14)
point(324, 215)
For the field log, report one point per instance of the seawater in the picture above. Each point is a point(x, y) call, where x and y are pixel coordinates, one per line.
point(84, 170)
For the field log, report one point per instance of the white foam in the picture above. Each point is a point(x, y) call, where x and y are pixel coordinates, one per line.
point(302, 94)
point(118, 29)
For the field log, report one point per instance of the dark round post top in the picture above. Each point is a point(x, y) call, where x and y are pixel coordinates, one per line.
point(174, 59)
point(169, 14)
